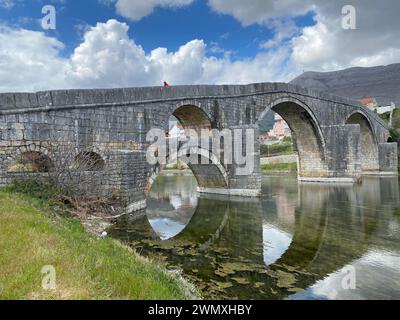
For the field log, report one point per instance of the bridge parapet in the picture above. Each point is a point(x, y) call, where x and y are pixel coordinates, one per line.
point(99, 97)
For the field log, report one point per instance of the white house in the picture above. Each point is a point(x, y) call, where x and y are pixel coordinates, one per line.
point(382, 110)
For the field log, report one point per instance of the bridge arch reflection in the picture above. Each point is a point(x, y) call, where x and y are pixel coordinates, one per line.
point(223, 246)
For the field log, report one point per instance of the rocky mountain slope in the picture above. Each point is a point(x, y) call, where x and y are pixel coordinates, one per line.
point(382, 83)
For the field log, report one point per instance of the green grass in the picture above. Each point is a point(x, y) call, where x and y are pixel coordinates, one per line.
point(86, 267)
point(276, 149)
point(279, 167)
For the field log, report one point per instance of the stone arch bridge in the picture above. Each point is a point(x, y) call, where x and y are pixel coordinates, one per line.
point(336, 139)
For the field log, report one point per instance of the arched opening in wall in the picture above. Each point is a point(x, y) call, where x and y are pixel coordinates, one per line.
point(277, 148)
point(291, 141)
point(176, 130)
point(88, 161)
point(205, 166)
point(31, 162)
point(186, 121)
point(369, 147)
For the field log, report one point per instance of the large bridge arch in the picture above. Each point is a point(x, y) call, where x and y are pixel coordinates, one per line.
point(306, 133)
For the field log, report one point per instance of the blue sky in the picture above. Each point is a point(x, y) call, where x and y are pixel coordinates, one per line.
point(108, 43)
point(165, 27)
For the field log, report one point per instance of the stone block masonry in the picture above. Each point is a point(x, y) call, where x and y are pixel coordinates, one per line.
point(336, 138)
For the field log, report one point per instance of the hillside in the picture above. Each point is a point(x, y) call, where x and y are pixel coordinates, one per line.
point(382, 83)
point(267, 122)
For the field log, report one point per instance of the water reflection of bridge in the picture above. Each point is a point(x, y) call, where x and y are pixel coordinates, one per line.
point(330, 226)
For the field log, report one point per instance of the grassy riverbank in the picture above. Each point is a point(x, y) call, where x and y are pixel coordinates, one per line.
point(279, 167)
point(284, 148)
point(31, 236)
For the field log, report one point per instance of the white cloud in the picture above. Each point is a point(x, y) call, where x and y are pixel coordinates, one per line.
point(381, 263)
point(7, 4)
point(265, 67)
point(260, 11)
point(285, 29)
point(29, 60)
point(138, 9)
point(107, 57)
point(326, 45)
point(311, 48)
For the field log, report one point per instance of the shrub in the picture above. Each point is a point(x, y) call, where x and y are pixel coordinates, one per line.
point(277, 149)
point(279, 167)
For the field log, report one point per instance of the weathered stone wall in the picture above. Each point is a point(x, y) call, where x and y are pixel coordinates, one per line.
point(343, 151)
point(114, 123)
point(369, 147)
point(388, 160)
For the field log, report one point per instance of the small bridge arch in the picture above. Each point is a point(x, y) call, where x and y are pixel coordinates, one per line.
point(211, 175)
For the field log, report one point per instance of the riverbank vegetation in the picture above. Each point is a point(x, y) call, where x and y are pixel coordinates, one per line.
point(36, 232)
point(283, 148)
point(279, 167)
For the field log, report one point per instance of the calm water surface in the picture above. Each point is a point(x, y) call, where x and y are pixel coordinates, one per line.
point(299, 241)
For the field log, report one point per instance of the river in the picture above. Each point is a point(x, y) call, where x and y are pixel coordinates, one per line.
point(298, 241)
